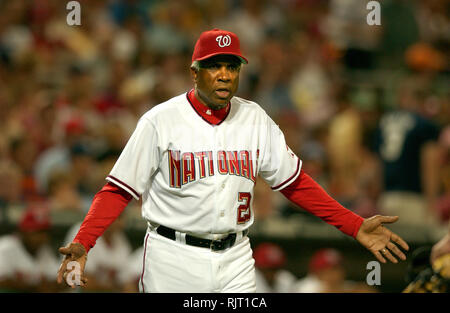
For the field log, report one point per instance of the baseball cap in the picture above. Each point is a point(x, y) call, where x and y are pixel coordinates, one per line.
point(34, 220)
point(269, 255)
point(323, 259)
point(217, 41)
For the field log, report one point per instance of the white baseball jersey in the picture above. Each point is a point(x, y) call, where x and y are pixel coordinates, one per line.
point(284, 282)
point(15, 260)
point(196, 177)
point(311, 284)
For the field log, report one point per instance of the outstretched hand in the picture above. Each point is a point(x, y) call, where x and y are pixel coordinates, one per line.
point(381, 241)
point(73, 252)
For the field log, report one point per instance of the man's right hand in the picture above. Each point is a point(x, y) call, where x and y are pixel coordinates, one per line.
point(73, 273)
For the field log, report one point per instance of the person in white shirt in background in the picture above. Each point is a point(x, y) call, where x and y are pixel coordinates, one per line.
point(271, 276)
point(326, 274)
point(27, 261)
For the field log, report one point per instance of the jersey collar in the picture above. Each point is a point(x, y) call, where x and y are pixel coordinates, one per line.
point(213, 117)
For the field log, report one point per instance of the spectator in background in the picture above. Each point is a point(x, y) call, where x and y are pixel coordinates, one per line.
point(82, 172)
point(347, 28)
point(355, 178)
point(59, 156)
point(27, 262)
point(11, 197)
point(135, 94)
point(314, 158)
point(271, 275)
point(271, 82)
point(252, 19)
point(310, 85)
point(433, 21)
point(326, 274)
point(23, 152)
point(400, 30)
point(62, 192)
point(406, 145)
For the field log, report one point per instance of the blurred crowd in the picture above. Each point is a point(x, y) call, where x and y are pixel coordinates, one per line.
point(365, 107)
point(326, 272)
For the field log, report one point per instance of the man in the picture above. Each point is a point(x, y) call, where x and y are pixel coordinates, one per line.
point(270, 272)
point(407, 145)
point(193, 161)
point(27, 262)
point(327, 274)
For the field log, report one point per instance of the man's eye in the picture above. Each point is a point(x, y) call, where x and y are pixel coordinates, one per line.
point(217, 66)
point(211, 66)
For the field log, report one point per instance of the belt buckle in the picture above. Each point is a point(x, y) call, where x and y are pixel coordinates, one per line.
point(224, 243)
point(217, 245)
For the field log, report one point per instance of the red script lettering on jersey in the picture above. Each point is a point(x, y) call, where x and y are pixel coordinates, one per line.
point(187, 167)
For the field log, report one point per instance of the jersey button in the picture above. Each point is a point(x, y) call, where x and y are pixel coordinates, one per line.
point(222, 213)
point(223, 186)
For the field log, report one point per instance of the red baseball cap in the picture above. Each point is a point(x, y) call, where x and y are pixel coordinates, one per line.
point(269, 255)
point(34, 220)
point(323, 259)
point(215, 42)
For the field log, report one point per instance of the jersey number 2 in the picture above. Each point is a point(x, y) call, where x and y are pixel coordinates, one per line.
point(244, 212)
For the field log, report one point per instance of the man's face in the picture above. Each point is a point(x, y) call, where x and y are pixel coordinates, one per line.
point(33, 240)
point(217, 80)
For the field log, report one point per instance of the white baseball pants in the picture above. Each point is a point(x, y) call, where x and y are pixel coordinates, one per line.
point(174, 267)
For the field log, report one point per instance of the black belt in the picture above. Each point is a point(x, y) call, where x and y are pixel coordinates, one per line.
point(214, 245)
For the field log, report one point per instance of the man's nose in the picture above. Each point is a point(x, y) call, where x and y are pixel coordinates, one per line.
point(224, 74)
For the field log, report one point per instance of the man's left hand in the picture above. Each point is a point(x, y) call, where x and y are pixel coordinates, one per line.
point(381, 241)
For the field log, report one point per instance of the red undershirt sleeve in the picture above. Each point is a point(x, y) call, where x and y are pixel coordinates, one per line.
point(107, 205)
point(309, 195)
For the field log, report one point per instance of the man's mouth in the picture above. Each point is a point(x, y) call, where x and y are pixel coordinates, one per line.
point(222, 92)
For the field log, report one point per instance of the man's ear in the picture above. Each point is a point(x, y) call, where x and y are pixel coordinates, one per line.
point(194, 74)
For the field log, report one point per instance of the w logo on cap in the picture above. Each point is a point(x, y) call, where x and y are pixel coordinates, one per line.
point(223, 41)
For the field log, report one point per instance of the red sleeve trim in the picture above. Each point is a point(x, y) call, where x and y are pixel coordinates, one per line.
point(120, 183)
point(309, 195)
point(106, 207)
point(289, 179)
